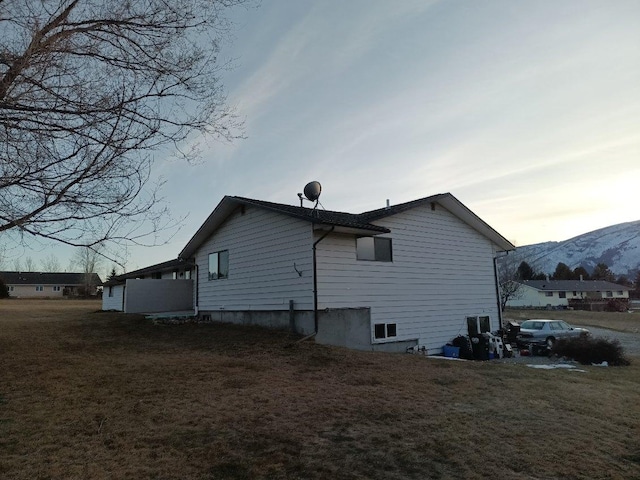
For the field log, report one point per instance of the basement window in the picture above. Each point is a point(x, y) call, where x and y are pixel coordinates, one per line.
point(374, 248)
point(219, 265)
point(384, 330)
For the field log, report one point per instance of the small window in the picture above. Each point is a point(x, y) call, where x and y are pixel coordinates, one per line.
point(548, 294)
point(187, 274)
point(110, 291)
point(562, 294)
point(385, 330)
point(609, 294)
point(219, 265)
point(374, 248)
point(11, 288)
point(174, 275)
point(56, 288)
point(620, 293)
point(39, 288)
point(575, 294)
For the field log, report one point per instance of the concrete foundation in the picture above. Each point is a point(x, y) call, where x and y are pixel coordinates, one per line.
point(342, 327)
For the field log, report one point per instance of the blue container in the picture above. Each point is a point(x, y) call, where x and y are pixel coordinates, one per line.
point(451, 351)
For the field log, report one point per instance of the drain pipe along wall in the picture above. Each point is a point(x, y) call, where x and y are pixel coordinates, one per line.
point(315, 279)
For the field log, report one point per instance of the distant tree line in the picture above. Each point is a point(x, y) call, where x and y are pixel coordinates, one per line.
point(564, 272)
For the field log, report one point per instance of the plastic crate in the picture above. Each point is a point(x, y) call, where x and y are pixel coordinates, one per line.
point(451, 351)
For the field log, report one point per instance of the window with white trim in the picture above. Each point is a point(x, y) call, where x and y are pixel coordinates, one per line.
point(39, 288)
point(376, 249)
point(384, 330)
point(219, 265)
point(56, 288)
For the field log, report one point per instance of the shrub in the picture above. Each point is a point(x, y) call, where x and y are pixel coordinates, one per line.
point(587, 350)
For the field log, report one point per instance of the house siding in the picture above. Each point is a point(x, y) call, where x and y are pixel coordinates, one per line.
point(263, 248)
point(442, 272)
point(29, 291)
point(114, 302)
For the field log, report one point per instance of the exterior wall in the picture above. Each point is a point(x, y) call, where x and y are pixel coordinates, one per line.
point(29, 291)
point(265, 249)
point(116, 300)
point(351, 328)
point(532, 297)
point(442, 272)
point(149, 296)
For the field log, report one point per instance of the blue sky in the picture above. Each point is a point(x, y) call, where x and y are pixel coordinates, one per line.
point(528, 112)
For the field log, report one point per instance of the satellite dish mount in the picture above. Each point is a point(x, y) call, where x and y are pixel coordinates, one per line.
point(312, 192)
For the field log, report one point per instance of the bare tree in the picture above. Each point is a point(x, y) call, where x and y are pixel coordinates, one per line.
point(88, 260)
point(17, 265)
point(509, 280)
point(89, 89)
point(50, 263)
point(29, 264)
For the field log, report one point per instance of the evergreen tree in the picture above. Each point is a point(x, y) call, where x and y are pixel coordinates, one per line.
point(602, 272)
point(563, 272)
point(525, 272)
point(112, 274)
point(4, 291)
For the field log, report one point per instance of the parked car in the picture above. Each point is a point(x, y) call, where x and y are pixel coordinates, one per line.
point(546, 332)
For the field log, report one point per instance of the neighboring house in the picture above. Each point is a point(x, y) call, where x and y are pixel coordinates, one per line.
point(45, 284)
point(171, 289)
point(414, 274)
point(559, 293)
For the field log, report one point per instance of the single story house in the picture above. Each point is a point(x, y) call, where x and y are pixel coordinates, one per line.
point(171, 289)
point(409, 275)
point(559, 293)
point(50, 285)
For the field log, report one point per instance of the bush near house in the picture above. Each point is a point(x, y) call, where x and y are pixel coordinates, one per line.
point(588, 350)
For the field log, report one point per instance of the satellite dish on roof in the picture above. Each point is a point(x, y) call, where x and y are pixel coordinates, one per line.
point(312, 191)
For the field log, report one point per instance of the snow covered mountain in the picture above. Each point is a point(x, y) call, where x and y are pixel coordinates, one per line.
point(618, 246)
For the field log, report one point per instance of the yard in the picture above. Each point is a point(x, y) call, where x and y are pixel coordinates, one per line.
point(91, 395)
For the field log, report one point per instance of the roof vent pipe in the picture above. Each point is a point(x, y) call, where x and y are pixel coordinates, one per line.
point(581, 279)
point(388, 204)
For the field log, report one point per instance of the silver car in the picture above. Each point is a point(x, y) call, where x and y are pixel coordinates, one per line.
point(546, 332)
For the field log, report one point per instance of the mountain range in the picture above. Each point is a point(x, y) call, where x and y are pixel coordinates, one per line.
point(618, 246)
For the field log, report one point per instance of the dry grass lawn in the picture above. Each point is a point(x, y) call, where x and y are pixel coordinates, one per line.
point(86, 395)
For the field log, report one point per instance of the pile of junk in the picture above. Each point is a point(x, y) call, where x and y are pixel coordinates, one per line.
point(481, 344)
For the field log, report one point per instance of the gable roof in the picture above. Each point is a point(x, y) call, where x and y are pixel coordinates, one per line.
point(354, 223)
point(169, 265)
point(574, 285)
point(453, 205)
point(47, 278)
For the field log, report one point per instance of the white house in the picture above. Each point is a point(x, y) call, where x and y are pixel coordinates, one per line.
point(50, 284)
point(412, 274)
point(558, 293)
